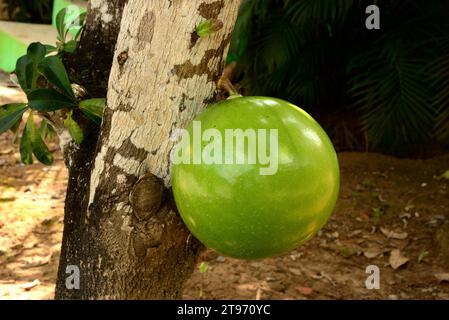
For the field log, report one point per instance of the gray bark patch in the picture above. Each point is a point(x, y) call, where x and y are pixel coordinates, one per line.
point(145, 31)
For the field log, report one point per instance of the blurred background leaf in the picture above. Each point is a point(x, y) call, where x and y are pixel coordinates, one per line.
point(35, 11)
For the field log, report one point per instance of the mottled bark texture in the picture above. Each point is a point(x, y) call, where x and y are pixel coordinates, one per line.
point(129, 242)
point(90, 67)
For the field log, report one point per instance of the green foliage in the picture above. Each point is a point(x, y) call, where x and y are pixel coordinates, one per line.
point(440, 71)
point(208, 27)
point(74, 129)
point(68, 22)
point(53, 70)
point(10, 115)
point(93, 109)
point(26, 152)
point(36, 143)
point(45, 81)
point(26, 66)
point(422, 255)
point(33, 143)
point(203, 267)
point(46, 130)
point(445, 175)
point(319, 53)
point(49, 100)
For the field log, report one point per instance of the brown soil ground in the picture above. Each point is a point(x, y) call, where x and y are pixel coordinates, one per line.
point(386, 205)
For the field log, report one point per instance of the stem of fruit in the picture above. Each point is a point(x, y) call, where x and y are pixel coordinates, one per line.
point(224, 83)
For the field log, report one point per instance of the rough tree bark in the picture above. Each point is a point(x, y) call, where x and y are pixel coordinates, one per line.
point(125, 234)
point(90, 67)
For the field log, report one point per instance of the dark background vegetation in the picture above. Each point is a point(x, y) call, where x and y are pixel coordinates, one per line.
point(35, 11)
point(379, 90)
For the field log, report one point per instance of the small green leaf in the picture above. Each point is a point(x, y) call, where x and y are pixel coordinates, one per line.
point(74, 129)
point(48, 100)
point(378, 213)
point(43, 129)
point(78, 34)
point(26, 66)
point(70, 46)
point(54, 71)
point(74, 22)
point(82, 17)
point(15, 127)
point(40, 149)
point(21, 66)
point(26, 152)
point(68, 20)
point(445, 175)
point(60, 23)
point(93, 109)
point(46, 130)
point(208, 27)
point(203, 267)
point(36, 52)
point(422, 255)
point(50, 48)
point(10, 115)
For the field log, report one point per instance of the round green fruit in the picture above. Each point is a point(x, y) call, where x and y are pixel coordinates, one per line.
point(278, 197)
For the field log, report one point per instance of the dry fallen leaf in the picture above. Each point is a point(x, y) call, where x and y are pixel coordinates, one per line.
point(6, 150)
point(405, 215)
point(354, 233)
point(443, 296)
point(258, 293)
point(397, 259)
point(442, 277)
point(371, 253)
point(29, 285)
point(295, 271)
point(304, 290)
point(38, 261)
point(296, 256)
point(322, 275)
point(248, 286)
point(394, 235)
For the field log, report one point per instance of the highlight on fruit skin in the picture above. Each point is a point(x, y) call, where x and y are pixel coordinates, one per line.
point(233, 207)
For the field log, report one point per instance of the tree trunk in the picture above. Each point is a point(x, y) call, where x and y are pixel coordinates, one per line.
point(124, 233)
point(96, 48)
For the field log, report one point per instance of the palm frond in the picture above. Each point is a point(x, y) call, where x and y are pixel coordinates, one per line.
point(440, 76)
point(304, 12)
point(394, 101)
point(319, 53)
